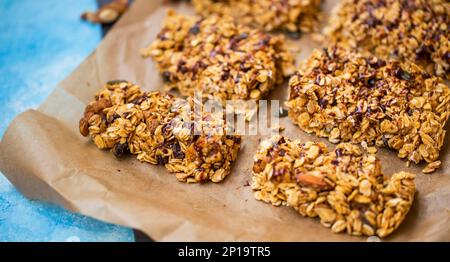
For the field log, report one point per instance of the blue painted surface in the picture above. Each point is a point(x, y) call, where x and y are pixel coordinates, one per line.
point(41, 42)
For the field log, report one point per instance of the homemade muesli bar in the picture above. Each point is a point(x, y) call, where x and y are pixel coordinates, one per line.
point(218, 57)
point(346, 96)
point(162, 130)
point(410, 30)
point(344, 188)
point(292, 16)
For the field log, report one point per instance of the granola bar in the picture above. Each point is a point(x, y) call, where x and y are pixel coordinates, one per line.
point(410, 30)
point(291, 16)
point(162, 130)
point(218, 57)
point(344, 188)
point(345, 96)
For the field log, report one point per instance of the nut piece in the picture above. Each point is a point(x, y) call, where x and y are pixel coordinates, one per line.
point(158, 129)
point(108, 13)
point(349, 97)
point(344, 188)
point(220, 58)
point(270, 15)
point(416, 31)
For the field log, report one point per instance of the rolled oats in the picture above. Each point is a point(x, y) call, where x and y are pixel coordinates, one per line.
point(346, 96)
point(222, 59)
point(162, 130)
point(344, 188)
point(410, 30)
point(431, 167)
point(293, 16)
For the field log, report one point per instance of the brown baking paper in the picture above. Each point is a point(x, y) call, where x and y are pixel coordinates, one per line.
point(45, 157)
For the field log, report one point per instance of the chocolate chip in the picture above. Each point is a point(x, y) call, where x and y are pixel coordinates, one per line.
point(119, 150)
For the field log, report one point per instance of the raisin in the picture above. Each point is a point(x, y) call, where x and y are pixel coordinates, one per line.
point(338, 152)
point(402, 74)
point(116, 82)
point(322, 102)
point(119, 150)
point(225, 76)
point(423, 52)
point(177, 152)
point(371, 81)
point(166, 77)
point(282, 112)
point(195, 29)
point(162, 160)
point(294, 34)
point(113, 118)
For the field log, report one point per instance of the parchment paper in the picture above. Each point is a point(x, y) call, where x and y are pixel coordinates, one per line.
point(45, 157)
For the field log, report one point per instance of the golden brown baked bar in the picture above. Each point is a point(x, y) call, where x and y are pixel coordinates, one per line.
point(293, 16)
point(345, 96)
point(218, 57)
point(162, 130)
point(410, 30)
point(344, 188)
